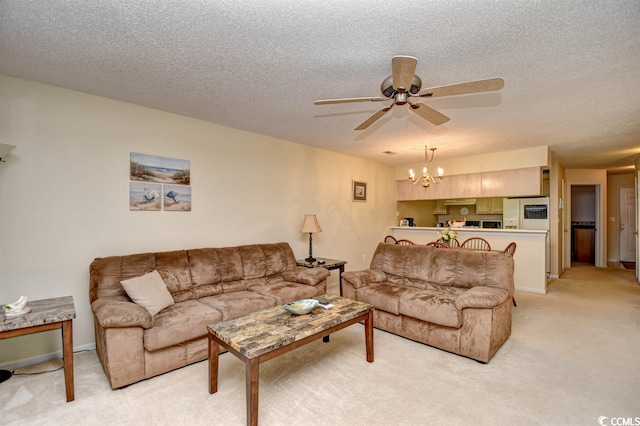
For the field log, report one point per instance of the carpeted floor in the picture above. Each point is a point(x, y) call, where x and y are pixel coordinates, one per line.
point(573, 356)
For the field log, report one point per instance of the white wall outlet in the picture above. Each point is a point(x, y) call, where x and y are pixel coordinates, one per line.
point(364, 257)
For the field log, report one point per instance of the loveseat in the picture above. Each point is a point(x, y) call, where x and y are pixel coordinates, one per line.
point(206, 285)
point(454, 299)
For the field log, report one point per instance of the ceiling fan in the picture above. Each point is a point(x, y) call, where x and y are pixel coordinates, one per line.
point(403, 85)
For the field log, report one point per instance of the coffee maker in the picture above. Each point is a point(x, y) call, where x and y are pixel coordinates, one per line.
point(409, 221)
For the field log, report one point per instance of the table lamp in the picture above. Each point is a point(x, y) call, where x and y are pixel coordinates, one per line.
point(310, 225)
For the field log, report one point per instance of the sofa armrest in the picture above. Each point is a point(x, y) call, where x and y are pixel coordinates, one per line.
point(308, 276)
point(118, 311)
point(481, 297)
point(363, 278)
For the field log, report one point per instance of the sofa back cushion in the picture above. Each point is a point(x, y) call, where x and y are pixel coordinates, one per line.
point(418, 265)
point(265, 263)
point(191, 274)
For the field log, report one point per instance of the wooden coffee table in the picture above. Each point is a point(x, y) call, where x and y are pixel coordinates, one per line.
point(264, 335)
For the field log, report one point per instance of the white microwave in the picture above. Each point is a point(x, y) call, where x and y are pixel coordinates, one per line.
point(491, 224)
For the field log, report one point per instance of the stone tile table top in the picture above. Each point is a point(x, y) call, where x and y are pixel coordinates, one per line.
point(44, 311)
point(264, 331)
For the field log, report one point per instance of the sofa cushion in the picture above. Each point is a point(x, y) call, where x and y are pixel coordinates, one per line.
point(384, 296)
point(363, 278)
point(205, 272)
point(148, 291)
point(432, 306)
point(173, 266)
point(285, 291)
point(303, 275)
point(179, 323)
point(482, 297)
point(238, 303)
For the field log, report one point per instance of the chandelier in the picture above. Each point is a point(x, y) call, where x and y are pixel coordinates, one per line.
point(426, 179)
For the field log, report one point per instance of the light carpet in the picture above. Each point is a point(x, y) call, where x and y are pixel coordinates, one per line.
point(573, 356)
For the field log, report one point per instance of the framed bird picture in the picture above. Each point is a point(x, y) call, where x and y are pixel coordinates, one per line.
point(145, 196)
point(177, 198)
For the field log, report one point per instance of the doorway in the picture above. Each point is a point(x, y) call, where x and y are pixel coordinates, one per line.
point(627, 227)
point(584, 202)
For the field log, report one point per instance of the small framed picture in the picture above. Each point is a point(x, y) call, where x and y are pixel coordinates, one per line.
point(359, 191)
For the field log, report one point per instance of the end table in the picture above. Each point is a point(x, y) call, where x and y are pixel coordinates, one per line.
point(45, 315)
point(328, 264)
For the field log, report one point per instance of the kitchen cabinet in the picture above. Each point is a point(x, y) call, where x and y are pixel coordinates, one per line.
point(584, 244)
point(491, 205)
point(512, 183)
point(503, 183)
point(440, 207)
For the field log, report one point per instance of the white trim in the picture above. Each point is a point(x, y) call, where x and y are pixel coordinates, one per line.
point(531, 290)
point(44, 358)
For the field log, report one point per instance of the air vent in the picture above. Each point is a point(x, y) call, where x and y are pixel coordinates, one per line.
point(389, 152)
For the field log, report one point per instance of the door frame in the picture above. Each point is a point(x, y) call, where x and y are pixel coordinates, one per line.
point(600, 258)
point(630, 219)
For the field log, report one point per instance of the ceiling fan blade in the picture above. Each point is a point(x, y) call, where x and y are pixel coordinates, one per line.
point(403, 68)
point(373, 117)
point(345, 100)
point(429, 113)
point(478, 86)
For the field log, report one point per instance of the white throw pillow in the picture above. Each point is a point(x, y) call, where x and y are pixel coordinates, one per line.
point(149, 291)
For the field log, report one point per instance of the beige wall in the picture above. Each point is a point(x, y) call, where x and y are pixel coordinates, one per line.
point(64, 192)
point(614, 183)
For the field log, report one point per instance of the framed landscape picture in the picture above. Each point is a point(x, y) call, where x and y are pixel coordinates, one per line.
point(153, 168)
point(359, 191)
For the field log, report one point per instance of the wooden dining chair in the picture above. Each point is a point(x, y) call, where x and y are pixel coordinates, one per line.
point(510, 250)
point(405, 242)
point(476, 243)
point(438, 244)
point(455, 243)
point(389, 239)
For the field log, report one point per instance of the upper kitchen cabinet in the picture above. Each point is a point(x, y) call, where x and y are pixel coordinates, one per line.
point(440, 207)
point(503, 183)
point(512, 183)
point(489, 205)
point(456, 186)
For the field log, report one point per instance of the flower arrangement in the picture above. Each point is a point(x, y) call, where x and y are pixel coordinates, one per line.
point(446, 235)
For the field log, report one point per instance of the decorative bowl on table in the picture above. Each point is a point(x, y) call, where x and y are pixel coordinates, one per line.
point(301, 307)
point(457, 223)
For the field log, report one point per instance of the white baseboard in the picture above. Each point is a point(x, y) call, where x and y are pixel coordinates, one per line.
point(44, 358)
point(531, 290)
point(554, 276)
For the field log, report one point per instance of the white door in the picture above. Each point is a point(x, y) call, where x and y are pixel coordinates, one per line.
point(627, 225)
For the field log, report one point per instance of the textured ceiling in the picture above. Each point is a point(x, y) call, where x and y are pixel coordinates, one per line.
point(571, 68)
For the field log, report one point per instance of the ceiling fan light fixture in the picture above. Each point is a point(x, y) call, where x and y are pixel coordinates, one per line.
point(404, 84)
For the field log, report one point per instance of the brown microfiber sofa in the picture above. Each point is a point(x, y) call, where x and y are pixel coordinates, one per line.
point(207, 285)
point(454, 299)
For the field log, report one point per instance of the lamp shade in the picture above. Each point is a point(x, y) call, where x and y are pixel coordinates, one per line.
point(310, 224)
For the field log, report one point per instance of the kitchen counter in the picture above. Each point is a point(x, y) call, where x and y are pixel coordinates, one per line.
point(465, 230)
point(530, 259)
